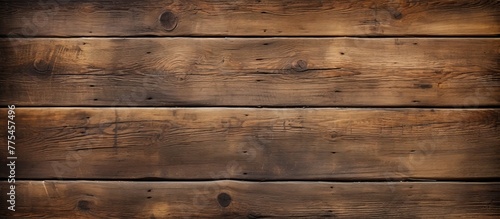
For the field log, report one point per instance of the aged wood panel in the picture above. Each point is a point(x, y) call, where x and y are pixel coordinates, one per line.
point(244, 17)
point(251, 72)
point(256, 144)
point(86, 199)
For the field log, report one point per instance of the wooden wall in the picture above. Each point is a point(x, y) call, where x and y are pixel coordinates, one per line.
point(252, 109)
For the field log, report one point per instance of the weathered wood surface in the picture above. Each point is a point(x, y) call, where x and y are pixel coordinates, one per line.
point(97, 199)
point(251, 72)
point(245, 17)
point(258, 144)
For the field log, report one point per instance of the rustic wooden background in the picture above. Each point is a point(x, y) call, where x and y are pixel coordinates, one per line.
point(252, 109)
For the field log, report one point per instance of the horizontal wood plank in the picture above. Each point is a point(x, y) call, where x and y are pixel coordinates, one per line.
point(97, 199)
point(244, 17)
point(251, 72)
point(254, 144)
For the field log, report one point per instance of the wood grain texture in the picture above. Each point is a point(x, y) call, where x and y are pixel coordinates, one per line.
point(255, 144)
point(251, 72)
point(85, 199)
point(245, 17)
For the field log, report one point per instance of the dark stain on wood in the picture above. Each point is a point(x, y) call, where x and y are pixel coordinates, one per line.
point(397, 15)
point(84, 205)
point(424, 86)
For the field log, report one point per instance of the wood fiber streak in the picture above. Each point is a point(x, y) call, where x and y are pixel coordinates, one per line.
point(85, 199)
point(244, 17)
point(251, 72)
point(255, 144)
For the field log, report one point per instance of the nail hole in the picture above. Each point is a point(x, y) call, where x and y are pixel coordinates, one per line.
point(333, 152)
point(244, 173)
point(149, 190)
point(91, 86)
point(342, 53)
point(95, 99)
point(150, 98)
point(149, 197)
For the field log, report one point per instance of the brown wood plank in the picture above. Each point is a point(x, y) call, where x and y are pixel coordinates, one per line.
point(255, 144)
point(244, 17)
point(251, 72)
point(97, 199)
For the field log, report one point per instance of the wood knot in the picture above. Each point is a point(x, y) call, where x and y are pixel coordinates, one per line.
point(41, 66)
point(84, 205)
point(168, 20)
point(299, 66)
point(424, 86)
point(224, 199)
point(397, 15)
